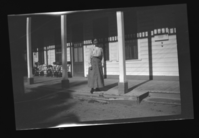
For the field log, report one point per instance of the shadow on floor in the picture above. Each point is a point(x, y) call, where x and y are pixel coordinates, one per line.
point(78, 83)
point(45, 104)
point(130, 89)
point(47, 80)
point(107, 87)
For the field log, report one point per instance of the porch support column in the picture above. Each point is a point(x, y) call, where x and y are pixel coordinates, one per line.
point(65, 81)
point(123, 84)
point(46, 55)
point(29, 50)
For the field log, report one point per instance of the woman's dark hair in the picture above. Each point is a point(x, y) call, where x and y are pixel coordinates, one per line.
point(95, 41)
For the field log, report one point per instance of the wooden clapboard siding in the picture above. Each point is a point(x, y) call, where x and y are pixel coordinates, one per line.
point(112, 64)
point(159, 47)
point(112, 68)
point(166, 43)
point(143, 41)
point(164, 64)
point(133, 66)
point(166, 73)
point(164, 59)
point(138, 73)
point(170, 50)
point(112, 73)
point(143, 49)
point(164, 55)
point(172, 37)
point(138, 68)
point(144, 71)
point(169, 42)
point(165, 69)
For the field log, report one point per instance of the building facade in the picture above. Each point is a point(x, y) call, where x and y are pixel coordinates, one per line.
point(150, 43)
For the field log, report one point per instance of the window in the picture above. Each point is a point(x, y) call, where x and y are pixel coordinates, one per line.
point(41, 57)
point(51, 56)
point(131, 49)
point(78, 52)
point(58, 55)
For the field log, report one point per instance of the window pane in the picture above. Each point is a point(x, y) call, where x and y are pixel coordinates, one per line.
point(75, 55)
point(80, 54)
point(131, 49)
point(171, 30)
point(68, 54)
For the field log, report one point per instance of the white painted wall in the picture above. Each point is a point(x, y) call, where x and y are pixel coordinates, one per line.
point(87, 49)
point(51, 56)
point(165, 59)
point(133, 67)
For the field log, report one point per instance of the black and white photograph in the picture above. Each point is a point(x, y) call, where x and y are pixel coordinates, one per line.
point(100, 65)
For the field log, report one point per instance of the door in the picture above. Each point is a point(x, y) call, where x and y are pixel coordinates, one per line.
point(78, 64)
point(77, 39)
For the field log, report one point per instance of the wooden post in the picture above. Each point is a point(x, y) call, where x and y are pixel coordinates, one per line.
point(29, 50)
point(65, 81)
point(123, 84)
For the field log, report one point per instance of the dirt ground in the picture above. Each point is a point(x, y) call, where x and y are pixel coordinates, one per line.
point(56, 109)
point(94, 110)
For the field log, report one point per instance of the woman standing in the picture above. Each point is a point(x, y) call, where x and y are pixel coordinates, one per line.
point(95, 77)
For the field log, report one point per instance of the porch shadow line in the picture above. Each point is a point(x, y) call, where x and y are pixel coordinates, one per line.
point(107, 87)
point(74, 84)
point(130, 89)
point(46, 81)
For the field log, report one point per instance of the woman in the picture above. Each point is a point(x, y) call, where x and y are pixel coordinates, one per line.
point(95, 77)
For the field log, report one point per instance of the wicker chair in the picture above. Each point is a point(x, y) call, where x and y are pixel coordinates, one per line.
point(49, 71)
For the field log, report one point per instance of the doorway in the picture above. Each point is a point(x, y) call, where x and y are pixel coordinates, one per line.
point(78, 61)
point(77, 40)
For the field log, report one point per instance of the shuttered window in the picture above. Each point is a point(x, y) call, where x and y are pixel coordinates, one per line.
point(78, 52)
